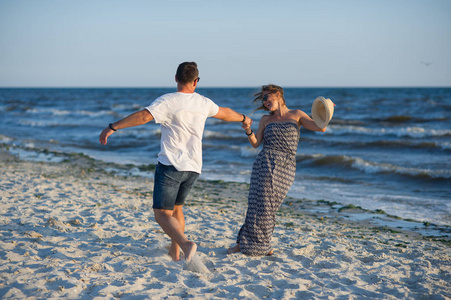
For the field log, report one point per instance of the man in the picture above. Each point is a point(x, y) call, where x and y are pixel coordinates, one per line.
point(182, 116)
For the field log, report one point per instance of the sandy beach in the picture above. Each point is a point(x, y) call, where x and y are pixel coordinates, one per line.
point(71, 230)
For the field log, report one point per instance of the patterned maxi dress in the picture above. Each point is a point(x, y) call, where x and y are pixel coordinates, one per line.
point(272, 176)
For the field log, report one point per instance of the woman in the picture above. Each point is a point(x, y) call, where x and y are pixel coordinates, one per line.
point(273, 171)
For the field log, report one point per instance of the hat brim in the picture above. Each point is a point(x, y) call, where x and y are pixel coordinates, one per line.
point(322, 111)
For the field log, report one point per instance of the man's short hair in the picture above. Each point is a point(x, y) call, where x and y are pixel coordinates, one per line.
point(187, 72)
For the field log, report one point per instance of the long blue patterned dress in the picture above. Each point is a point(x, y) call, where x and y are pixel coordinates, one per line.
point(273, 174)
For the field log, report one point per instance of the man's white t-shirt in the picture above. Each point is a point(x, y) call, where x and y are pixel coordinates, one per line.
point(182, 117)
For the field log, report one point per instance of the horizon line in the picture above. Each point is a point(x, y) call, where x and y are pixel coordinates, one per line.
point(218, 87)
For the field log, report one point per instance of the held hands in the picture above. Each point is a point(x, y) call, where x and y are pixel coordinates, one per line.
point(246, 125)
point(247, 122)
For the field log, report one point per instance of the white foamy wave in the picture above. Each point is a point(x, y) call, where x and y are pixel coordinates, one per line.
point(5, 139)
point(40, 123)
point(214, 134)
point(156, 131)
point(445, 145)
point(249, 152)
point(36, 156)
point(415, 132)
point(372, 168)
point(137, 172)
point(53, 111)
point(62, 112)
point(127, 107)
point(140, 132)
point(93, 113)
point(243, 176)
point(312, 156)
point(392, 202)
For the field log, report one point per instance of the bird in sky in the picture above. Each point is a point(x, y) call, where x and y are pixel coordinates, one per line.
point(426, 63)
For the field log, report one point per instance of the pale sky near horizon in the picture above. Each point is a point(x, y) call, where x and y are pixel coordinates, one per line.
point(292, 43)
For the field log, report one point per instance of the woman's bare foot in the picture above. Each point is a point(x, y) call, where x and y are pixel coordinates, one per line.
point(235, 249)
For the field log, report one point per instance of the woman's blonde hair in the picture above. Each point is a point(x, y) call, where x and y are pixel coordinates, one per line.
point(268, 89)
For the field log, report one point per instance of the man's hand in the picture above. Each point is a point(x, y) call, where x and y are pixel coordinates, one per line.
point(247, 122)
point(104, 135)
point(138, 118)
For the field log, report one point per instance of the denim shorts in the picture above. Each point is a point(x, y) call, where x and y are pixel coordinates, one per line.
point(171, 187)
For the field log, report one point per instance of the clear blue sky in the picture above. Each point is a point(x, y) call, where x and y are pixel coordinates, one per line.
point(134, 43)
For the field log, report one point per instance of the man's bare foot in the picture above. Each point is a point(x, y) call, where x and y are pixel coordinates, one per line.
point(235, 249)
point(189, 249)
point(270, 253)
point(174, 251)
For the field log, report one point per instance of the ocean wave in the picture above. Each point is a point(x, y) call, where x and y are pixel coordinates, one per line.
point(445, 145)
point(370, 167)
point(396, 144)
point(249, 152)
point(209, 134)
point(64, 112)
point(414, 132)
point(236, 135)
point(398, 119)
point(47, 123)
point(5, 139)
point(406, 119)
point(127, 107)
point(140, 132)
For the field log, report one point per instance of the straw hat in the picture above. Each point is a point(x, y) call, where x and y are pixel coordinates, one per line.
point(322, 111)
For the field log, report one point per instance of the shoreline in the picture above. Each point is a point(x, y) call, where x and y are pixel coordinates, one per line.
point(426, 224)
point(71, 229)
point(376, 217)
point(346, 212)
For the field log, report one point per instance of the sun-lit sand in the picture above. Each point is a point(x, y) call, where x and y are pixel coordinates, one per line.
point(71, 230)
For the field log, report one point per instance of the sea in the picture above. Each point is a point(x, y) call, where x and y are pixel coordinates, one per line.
point(385, 148)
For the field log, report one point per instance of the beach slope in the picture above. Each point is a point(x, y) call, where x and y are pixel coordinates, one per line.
point(72, 230)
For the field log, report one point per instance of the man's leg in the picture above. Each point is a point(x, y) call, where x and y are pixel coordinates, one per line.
point(174, 252)
point(171, 188)
point(172, 227)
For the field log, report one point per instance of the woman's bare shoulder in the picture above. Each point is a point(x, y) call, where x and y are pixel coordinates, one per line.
point(297, 111)
point(297, 114)
point(265, 118)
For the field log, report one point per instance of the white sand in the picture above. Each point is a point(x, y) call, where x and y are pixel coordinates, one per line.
point(70, 231)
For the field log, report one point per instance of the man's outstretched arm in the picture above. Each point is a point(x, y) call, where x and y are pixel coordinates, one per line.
point(138, 118)
point(229, 115)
